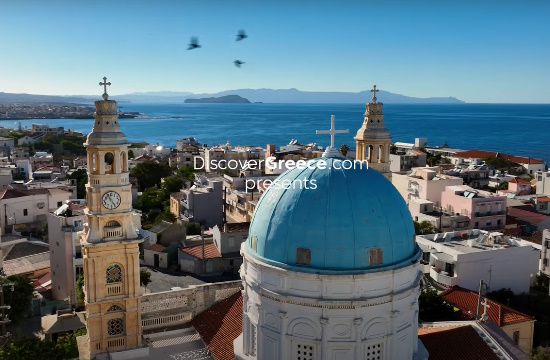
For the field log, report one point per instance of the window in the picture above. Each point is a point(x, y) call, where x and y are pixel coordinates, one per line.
point(59, 203)
point(476, 225)
point(304, 352)
point(488, 222)
point(25, 212)
point(516, 337)
point(375, 256)
point(548, 244)
point(115, 326)
point(114, 308)
point(57, 243)
point(374, 352)
point(113, 274)
point(303, 256)
point(545, 262)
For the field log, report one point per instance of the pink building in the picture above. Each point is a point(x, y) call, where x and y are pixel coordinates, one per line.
point(519, 186)
point(486, 210)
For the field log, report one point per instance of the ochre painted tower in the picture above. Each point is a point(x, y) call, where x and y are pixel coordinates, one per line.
point(109, 240)
point(373, 139)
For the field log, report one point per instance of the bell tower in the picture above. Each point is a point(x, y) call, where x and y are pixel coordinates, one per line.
point(109, 240)
point(373, 139)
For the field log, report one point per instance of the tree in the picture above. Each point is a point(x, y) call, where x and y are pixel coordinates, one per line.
point(187, 172)
point(344, 149)
point(33, 348)
point(79, 288)
point(432, 306)
point(150, 173)
point(193, 228)
point(144, 278)
point(393, 149)
point(81, 178)
point(19, 299)
point(424, 227)
point(131, 154)
point(172, 184)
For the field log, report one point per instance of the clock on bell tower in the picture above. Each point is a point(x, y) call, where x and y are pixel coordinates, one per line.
point(110, 242)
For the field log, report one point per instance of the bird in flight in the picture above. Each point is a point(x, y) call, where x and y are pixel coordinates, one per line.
point(193, 44)
point(241, 35)
point(238, 63)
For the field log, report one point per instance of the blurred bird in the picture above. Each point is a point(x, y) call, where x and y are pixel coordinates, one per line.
point(238, 63)
point(241, 35)
point(194, 44)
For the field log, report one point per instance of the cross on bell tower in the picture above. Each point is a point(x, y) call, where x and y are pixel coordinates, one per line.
point(331, 150)
point(104, 84)
point(374, 91)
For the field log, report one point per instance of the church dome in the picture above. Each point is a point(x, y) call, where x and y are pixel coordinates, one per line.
point(354, 221)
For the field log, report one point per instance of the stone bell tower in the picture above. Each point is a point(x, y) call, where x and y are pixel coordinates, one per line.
point(109, 240)
point(373, 139)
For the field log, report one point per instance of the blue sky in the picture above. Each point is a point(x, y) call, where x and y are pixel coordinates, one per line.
point(477, 51)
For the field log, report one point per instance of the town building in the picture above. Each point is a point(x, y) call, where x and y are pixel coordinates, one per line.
point(518, 187)
point(161, 256)
point(180, 143)
point(541, 204)
point(518, 326)
point(545, 253)
point(41, 159)
point(424, 183)
point(443, 220)
point(372, 141)
point(203, 259)
point(543, 182)
point(188, 155)
point(19, 256)
point(110, 243)
point(528, 218)
point(24, 168)
point(64, 224)
point(47, 129)
point(80, 162)
point(476, 176)
point(406, 160)
point(30, 139)
point(403, 146)
point(22, 209)
point(166, 233)
point(529, 165)
point(485, 209)
point(6, 176)
point(227, 157)
point(242, 195)
point(63, 322)
point(464, 258)
point(280, 160)
point(6, 144)
point(19, 153)
point(203, 202)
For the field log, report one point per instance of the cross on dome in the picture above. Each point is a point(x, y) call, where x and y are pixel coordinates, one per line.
point(104, 84)
point(374, 91)
point(332, 132)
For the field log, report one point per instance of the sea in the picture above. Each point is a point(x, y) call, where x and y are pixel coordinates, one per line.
point(518, 129)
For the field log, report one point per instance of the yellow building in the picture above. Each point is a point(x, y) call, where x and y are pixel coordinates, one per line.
point(109, 240)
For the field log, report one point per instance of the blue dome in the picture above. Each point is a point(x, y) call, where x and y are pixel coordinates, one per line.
point(335, 226)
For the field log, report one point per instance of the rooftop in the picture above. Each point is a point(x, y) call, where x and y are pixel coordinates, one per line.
point(210, 251)
point(155, 247)
point(498, 313)
point(237, 227)
point(480, 154)
point(220, 325)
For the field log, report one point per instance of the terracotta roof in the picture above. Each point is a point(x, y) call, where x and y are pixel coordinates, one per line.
point(155, 247)
point(535, 237)
point(177, 195)
point(455, 343)
point(480, 154)
point(210, 251)
point(220, 325)
point(520, 181)
point(237, 227)
point(526, 213)
point(510, 220)
point(501, 315)
point(512, 231)
point(543, 199)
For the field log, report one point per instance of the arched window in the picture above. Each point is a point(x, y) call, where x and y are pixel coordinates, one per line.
point(115, 326)
point(112, 223)
point(109, 163)
point(375, 256)
point(115, 308)
point(94, 163)
point(113, 274)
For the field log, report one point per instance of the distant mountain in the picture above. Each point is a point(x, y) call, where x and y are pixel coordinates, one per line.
point(29, 98)
point(227, 99)
point(253, 95)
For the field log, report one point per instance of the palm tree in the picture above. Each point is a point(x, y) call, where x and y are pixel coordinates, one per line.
point(344, 149)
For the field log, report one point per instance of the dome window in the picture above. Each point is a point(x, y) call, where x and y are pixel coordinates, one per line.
point(303, 256)
point(375, 256)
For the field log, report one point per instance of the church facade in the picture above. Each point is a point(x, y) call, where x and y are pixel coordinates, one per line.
point(109, 240)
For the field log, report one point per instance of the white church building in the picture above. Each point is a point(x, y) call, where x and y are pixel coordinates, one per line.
point(331, 272)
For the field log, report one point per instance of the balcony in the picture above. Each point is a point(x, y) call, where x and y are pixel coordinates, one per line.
point(442, 278)
point(485, 214)
point(114, 289)
point(116, 343)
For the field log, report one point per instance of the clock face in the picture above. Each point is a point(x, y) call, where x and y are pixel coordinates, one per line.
point(111, 200)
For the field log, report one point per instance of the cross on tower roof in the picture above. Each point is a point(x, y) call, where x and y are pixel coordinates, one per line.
point(104, 84)
point(332, 131)
point(374, 91)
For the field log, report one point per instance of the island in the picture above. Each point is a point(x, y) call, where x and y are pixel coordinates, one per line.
point(227, 99)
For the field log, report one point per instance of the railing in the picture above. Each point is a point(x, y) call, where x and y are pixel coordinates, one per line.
point(115, 343)
point(443, 279)
point(167, 320)
point(114, 289)
point(71, 228)
point(111, 232)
